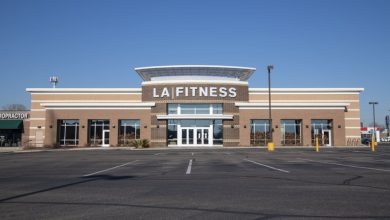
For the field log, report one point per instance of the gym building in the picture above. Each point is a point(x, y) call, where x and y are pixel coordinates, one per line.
point(194, 105)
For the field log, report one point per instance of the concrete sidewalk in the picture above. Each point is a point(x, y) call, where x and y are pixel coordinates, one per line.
point(21, 150)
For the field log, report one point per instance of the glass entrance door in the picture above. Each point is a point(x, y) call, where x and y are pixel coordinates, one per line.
point(327, 137)
point(106, 138)
point(195, 136)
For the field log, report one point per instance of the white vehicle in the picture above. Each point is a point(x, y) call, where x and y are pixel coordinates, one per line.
point(385, 139)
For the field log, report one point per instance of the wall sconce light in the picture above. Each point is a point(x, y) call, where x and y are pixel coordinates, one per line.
point(231, 126)
point(39, 126)
point(158, 126)
point(307, 126)
point(82, 126)
point(51, 126)
point(145, 126)
point(244, 126)
point(276, 126)
point(339, 126)
point(113, 126)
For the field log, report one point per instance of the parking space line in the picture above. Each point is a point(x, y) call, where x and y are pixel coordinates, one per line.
point(189, 167)
point(159, 154)
point(101, 171)
point(346, 165)
point(270, 167)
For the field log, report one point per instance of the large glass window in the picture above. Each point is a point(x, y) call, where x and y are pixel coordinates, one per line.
point(291, 132)
point(187, 109)
point(172, 132)
point(68, 132)
point(195, 109)
point(217, 132)
point(129, 130)
point(95, 131)
point(217, 109)
point(260, 132)
point(172, 109)
point(319, 128)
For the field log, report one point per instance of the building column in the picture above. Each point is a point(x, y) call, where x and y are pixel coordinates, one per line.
point(83, 133)
point(277, 135)
point(114, 126)
point(306, 132)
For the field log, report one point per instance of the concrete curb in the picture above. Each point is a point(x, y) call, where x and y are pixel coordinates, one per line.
point(20, 150)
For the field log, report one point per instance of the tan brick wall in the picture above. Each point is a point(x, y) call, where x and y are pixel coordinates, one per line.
point(306, 116)
point(26, 133)
point(84, 115)
point(155, 130)
point(43, 97)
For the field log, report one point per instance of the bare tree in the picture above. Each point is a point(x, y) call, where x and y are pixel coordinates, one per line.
point(378, 125)
point(15, 107)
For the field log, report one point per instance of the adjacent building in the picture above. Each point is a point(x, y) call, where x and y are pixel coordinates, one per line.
point(14, 128)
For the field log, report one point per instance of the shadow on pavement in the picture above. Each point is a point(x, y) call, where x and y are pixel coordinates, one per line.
point(85, 180)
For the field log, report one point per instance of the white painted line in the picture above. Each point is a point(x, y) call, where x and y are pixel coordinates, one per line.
point(227, 153)
point(273, 168)
point(189, 167)
point(347, 165)
point(101, 171)
point(159, 154)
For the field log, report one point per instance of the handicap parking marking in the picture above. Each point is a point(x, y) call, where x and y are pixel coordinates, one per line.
point(270, 167)
point(101, 171)
point(346, 165)
point(189, 167)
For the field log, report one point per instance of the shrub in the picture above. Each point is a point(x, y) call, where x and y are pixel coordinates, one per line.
point(144, 143)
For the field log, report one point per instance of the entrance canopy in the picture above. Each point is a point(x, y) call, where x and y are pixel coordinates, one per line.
point(193, 71)
point(10, 124)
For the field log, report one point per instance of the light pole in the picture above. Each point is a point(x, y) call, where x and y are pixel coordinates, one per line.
point(387, 124)
point(373, 113)
point(270, 68)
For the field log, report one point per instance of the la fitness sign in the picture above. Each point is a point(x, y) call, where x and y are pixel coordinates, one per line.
point(194, 91)
point(13, 115)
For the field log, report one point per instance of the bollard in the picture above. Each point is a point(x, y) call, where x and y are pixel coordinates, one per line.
point(373, 143)
point(317, 145)
point(271, 146)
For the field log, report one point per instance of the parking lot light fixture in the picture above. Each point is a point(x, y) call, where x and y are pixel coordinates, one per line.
point(270, 144)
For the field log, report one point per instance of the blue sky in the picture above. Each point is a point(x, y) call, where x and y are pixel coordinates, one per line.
point(339, 43)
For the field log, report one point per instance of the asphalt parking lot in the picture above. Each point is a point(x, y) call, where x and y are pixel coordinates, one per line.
point(196, 184)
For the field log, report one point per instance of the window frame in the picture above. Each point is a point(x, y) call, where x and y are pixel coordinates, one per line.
point(63, 141)
point(124, 140)
point(194, 109)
